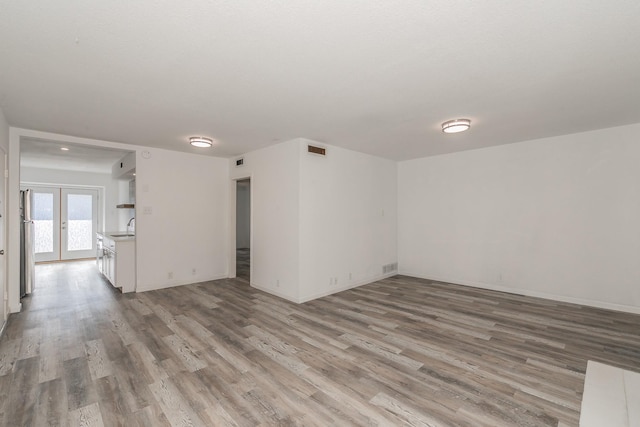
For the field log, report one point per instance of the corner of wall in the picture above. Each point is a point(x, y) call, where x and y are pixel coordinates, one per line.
point(4, 132)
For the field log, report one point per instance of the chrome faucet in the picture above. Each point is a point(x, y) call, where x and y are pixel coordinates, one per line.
point(132, 220)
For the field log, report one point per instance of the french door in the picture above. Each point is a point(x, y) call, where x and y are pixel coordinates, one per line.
point(65, 223)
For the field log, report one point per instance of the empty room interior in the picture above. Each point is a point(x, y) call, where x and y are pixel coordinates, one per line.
point(307, 213)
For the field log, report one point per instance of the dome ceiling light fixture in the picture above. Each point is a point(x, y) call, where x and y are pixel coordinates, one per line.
point(201, 141)
point(456, 125)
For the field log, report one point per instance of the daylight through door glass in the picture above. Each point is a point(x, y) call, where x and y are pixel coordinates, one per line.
point(80, 215)
point(43, 222)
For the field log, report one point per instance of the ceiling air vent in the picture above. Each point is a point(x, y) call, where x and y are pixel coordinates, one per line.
point(316, 150)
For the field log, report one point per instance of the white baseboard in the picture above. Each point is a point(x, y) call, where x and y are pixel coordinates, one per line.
point(153, 287)
point(324, 293)
point(530, 293)
point(344, 288)
point(276, 293)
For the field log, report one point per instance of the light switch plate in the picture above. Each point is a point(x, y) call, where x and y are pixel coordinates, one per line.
point(147, 210)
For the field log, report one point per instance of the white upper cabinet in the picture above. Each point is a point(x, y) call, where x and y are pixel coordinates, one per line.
point(125, 167)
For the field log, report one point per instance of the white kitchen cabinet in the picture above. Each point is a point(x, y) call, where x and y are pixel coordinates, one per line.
point(125, 167)
point(100, 252)
point(118, 263)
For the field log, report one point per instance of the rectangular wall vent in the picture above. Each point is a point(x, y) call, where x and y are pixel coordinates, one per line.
point(240, 162)
point(389, 268)
point(316, 150)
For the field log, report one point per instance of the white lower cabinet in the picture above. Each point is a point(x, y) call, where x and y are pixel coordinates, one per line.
point(119, 263)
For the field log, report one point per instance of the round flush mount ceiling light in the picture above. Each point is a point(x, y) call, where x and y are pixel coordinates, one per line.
point(201, 141)
point(456, 125)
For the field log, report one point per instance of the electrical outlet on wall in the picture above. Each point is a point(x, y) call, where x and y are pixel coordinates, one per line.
point(170, 275)
point(193, 271)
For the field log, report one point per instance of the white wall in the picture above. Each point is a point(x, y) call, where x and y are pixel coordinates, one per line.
point(243, 216)
point(4, 145)
point(181, 218)
point(557, 217)
point(319, 224)
point(275, 175)
point(122, 215)
point(4, 132)
point(104, 181)
point(348, 219)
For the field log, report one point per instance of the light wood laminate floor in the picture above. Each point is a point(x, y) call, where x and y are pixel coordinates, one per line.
point(400, 351)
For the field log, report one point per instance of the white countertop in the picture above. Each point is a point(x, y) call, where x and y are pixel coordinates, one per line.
point(113, 236)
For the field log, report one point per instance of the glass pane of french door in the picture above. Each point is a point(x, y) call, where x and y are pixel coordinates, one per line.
point(46, 220)
point(79, 215)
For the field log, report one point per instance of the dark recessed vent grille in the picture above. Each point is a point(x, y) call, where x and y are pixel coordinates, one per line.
point(316, 150)
point(240, 162)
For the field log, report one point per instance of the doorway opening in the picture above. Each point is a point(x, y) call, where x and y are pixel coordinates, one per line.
point(55, 162)
point(243, 229)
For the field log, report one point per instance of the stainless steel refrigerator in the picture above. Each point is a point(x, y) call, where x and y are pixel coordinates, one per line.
point(27, 261)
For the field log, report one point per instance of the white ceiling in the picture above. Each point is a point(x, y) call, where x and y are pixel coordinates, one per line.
point(48, 154)
point(377, 76)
